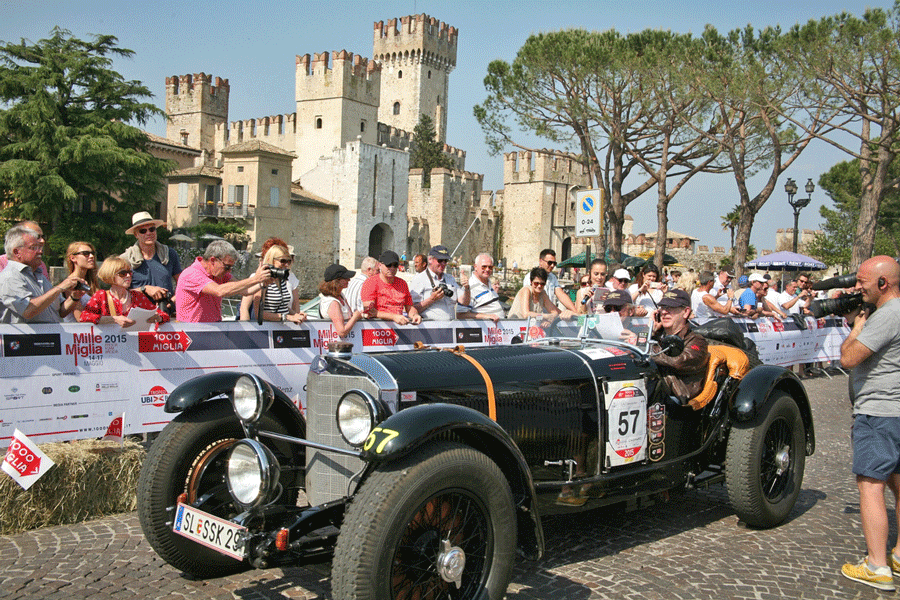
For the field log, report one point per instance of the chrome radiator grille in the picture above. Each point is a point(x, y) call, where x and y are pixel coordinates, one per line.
point(328, 474)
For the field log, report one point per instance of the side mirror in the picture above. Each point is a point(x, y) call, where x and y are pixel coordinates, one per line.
point(672, 345)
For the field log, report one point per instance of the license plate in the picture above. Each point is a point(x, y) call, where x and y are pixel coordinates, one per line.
point(211, 531)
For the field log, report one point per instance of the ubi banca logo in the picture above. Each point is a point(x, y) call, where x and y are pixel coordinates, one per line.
point(156, 396)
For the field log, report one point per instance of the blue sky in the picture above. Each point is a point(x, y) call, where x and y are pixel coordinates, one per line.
point(253, 45)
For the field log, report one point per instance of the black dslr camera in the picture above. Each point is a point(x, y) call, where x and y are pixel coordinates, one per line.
point(82, 287)
point(277, 273)
point(448, 293)
point(836, 306)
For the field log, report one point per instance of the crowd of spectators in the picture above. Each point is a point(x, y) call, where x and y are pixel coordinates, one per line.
point(151, 273)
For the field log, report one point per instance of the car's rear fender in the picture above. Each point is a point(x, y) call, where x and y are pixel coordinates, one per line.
point(754, 396)
point(408, 429)
point(213, 386)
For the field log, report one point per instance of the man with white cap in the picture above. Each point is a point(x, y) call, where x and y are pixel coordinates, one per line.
point(747, 303)
point(156, 267)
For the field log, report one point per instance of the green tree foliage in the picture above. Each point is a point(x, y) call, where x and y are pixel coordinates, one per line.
point(851, 66)
point(68, 158)
point(427, 152)
point(607, 100)
point(842, 183)
point(730, 222)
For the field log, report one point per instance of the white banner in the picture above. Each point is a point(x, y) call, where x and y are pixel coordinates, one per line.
point(24, 461)
point(63, 382)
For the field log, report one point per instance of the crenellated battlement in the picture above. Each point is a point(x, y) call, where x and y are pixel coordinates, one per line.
point(348, 75)
point(188, 84)
point(419, 38)
point(195, 104)
point(542, 165)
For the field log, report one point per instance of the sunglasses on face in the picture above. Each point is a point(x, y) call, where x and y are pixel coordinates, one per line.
point(85, 253)
point(537, 283)
point(550, 263)
point(124, 273)
point(285, 261)
point(393, 265)
point(443, 261)
point(585, 283)
point(147, 229)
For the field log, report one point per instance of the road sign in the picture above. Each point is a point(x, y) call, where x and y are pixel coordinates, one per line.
point(589, 212)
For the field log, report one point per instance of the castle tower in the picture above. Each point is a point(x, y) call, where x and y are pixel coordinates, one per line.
point(195, 107)
point(335, 104)
point(416, 59)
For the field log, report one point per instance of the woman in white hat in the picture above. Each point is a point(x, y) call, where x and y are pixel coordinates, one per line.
point(156, 267)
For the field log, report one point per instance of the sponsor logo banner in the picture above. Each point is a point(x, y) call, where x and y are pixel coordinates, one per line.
point(36, 344)
point(291, 339)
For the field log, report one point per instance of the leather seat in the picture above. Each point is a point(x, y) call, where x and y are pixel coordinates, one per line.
point(737, 364)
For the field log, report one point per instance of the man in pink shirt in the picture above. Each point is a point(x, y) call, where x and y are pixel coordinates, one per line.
point(201, 286)
point(386, 296)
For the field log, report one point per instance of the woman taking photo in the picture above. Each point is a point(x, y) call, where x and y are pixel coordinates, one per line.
point(332, 304)
point(280, 300)
point(590, 297)
point(533, 301)
point(81, 260)
point(113, 306)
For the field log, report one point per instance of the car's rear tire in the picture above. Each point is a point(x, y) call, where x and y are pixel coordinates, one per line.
point(442, 503)
point(765, 462)
point(189, 456)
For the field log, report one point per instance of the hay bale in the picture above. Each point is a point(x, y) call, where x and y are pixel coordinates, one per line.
point(91, 479)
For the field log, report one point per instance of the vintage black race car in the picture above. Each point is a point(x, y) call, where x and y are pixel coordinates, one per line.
point(424, 472)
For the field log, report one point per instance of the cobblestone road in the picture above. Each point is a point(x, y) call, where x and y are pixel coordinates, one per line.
point(690, 547)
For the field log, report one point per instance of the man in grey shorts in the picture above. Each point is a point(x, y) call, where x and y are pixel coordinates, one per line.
point(872, 351)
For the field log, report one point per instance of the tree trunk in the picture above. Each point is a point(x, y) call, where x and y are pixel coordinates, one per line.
point(873, 174)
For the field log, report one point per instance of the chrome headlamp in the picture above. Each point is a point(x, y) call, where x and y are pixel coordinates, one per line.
point(357, 412)
point(251, 474)
point(251, 397)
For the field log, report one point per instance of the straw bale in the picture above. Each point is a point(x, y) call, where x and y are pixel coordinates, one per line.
point(90, 479)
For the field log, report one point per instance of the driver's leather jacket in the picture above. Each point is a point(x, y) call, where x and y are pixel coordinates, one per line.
point(685, 374)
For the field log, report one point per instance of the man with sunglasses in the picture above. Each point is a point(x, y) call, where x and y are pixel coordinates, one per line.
point(557, 294)
point(386, 296)
point(436, 293)
point(686, 373)
point(201, 287)
point(156, 267)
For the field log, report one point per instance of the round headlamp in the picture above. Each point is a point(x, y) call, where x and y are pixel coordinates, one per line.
point(252, 473)
point(251, 397)
point(356, 416)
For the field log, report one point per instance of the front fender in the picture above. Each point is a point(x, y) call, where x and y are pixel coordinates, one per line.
point(754, 394)
point(404, 431)
point(213, 385)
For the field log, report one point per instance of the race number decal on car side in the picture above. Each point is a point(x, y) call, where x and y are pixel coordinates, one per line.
point(626, 415)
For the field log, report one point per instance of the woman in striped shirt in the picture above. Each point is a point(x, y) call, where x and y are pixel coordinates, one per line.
point(280, 299)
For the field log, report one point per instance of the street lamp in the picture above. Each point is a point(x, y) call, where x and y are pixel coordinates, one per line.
point(800, 203)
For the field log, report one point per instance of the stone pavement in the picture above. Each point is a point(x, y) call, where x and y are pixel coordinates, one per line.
point(690, 547)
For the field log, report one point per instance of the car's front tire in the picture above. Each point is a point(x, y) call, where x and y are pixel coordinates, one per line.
point(443, 512)
point(189, 456)
point(765, 462)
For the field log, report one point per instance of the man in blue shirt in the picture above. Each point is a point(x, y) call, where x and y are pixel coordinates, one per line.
point(156, 267)
point(747, 302)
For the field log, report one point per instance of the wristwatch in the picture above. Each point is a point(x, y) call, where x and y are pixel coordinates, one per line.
point(283, 317)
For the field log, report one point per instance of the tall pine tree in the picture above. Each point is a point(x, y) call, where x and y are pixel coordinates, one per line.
point(427, 152)
point(68, 157)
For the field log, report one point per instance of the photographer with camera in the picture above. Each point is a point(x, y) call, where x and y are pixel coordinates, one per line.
point(207, 280)
point(280, 300)
point(434, 292)
point(872, 351)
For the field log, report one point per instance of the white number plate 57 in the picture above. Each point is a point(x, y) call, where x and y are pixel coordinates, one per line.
point(211, 531)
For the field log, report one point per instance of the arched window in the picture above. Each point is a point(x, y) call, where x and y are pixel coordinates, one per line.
point(318, 122)
point(399, 74)
point(396, 108)
point(362, 126)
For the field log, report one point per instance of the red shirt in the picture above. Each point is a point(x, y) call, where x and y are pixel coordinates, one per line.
point(98, 306)
point(389, 297)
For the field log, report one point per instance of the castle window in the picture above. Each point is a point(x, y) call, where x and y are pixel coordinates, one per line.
point(396, 108)
point(184, 138)
point(240, 169)
point(274, 197)
point(274, 171)
point(182, 195)
point(362, 126)
point(318, 122)
point(438, 100)
point(399, 74)
point(429, 74)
